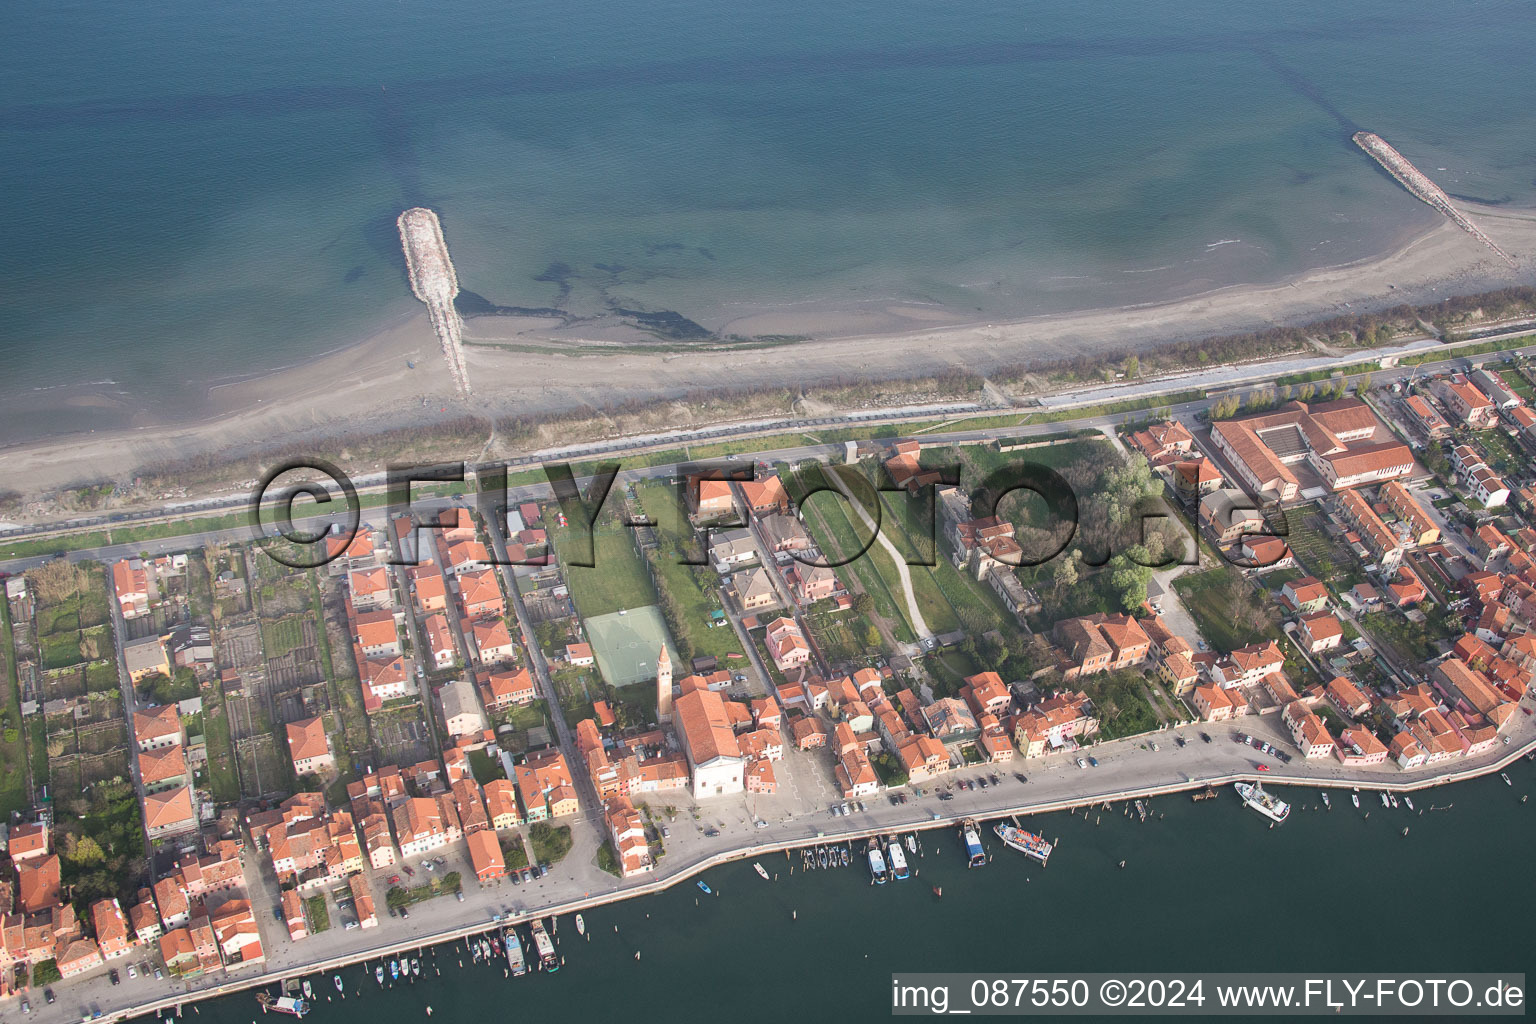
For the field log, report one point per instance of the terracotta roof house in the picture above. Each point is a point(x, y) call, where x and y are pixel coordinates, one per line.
point(492, 641)
point(480, 593)
point(169, 813)
point(1321, 632)
point(765, 496)
point(502, 690)
point(157, 727)
point(37, 884)
point(376, 634)
point(27, 841)
point(162, 768)
point(485, 856)
point(501, 803)
point(309, 747)
point(1305, 595)
point(709, 743)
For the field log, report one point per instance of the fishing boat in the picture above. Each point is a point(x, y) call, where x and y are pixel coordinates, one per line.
point(1254, 796)
point(823, 856)
point(1384, 801)
point(971, 836)
point(337, 979)
point(1355, 798)
point(415, 967)
point(581, 925)
point(1141, 810)
point(1409, 801)
point(938, 890)
point(1505, 777)
point(378, 974)
point(282, 1004)
point(394, 969)
point(515, 961)
point(1325, 801)
point(876, 863)
point(911, 842)
point(307, 993)
point(762, 872)
point(845, 856)
point(1393, 797)
point(1027, 843)
point(898, 860)
point(544, 947)
point(706, 890)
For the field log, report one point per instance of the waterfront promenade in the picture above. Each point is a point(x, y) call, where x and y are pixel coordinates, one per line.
point(1128, 769)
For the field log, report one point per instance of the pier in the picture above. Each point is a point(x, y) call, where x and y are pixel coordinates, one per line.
point(1418, 183)
point(435, 284)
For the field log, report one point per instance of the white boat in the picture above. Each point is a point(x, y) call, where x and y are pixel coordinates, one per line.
point(975, 855)
point(1325, 801)
point(545, 948)
point(515, 960)
point(911, 842)
point(1266, 804)
point(1384, 801)
point(1027, 843)
point(378, 975)
point(581, 926)
point(761, 871)
point(1409, 801)
point(897, 858)
point(307, 993)
point(1393, 797)
point(876, 864)
point(1505, 777)
point(339, 987)
point(1355, 799)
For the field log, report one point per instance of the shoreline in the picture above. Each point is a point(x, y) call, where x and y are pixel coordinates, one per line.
point(690, 871)
point(368, 386)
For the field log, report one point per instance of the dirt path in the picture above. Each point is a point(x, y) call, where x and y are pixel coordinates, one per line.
point(913, 614)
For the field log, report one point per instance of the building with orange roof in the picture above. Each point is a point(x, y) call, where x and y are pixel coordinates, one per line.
point(505, 689)
point(158, 727)
point(362, 901)
point(179, 954)
point(1337, 440)
point(1307, 730)
point(1347, 697)
point(604, 714)
point(986, 693)
point(438, 639)
point(309, 747)
point(27, 841)
point(493, 643)
point(79, 956)
point(1406, 751)
point(1358, 747)
point(370, 589)
point(429, 588)
point(626, 831)
point(1305, 596)
point(1215, 703)
point(130, 585)
point(579, 655)
point(163, 768)
point(501, 804)
point(465, 556)
point(710, 499)
point(455, 524)
point(544, 783)
point(37, 884)
point(1248, 665)
point(169, 813)
point(383, 679)
point(1100, 643)
point(704, 732)
point(1406, 590)
point(765, 496)
point(922, 758)
point(234, 928)
point(1467, 403)
point(854, 774)
point(786, 644)
point(470, 807)
point(144, 918)
point(172, 904)
point(1162, 441)
point(480, 593)
point(1422, 528)
point(1320, 632)
point(113, 936)
point(1179, 673)
point(485, 856)
point(1193, 479)
point(993, 743)
point(419, 826)
point(1430, 422)
point(376, 633)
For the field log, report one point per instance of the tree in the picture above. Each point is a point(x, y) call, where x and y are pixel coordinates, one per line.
point(1132, 366)
point(1065, 574)
point(83, 850)
point(872, 636)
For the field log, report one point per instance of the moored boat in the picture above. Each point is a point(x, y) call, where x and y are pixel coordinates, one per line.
point(911, 842)
point(706, 890)
point(282, 1004)
point(1027, 843)
point(762, 872)
point(581, 925)
point(897, 859)
point(971, 836)
point(337, 979)
point(1409, 801)
point(1266, 804)
point(394, 969)
point(378, 974)
point(1393, 798)
point(876, 863)
point(1355, 799)
point(308, 994)
point(515, 960)
point(544, 947)
point(1505, 777)
point(1326, 803)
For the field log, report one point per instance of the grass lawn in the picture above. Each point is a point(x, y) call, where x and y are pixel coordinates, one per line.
point(1209, 596)
point(618, 579)
point(222, 779)
point(282, 636)
point(485, 767)
point(692, 588)
point(550, 842)
point(826, 520)
point(319, 917)
point(13, 749)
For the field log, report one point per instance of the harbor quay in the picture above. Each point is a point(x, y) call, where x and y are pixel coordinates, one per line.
point(1128, 769)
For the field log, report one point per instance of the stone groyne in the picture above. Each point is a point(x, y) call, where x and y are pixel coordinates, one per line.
point(435, 284)
point(1418, 183)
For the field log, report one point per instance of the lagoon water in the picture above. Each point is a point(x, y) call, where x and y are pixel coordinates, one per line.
point(1206, 887)
point(197, 191)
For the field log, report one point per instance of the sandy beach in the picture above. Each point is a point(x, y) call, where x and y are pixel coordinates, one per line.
point(529, 367)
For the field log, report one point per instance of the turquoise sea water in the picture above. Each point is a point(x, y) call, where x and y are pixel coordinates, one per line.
point(194, 191)
point(1206, 887)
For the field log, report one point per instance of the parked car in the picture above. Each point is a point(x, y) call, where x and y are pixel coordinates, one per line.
point(112, 976)
point(132, 971)
point(48, 994)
